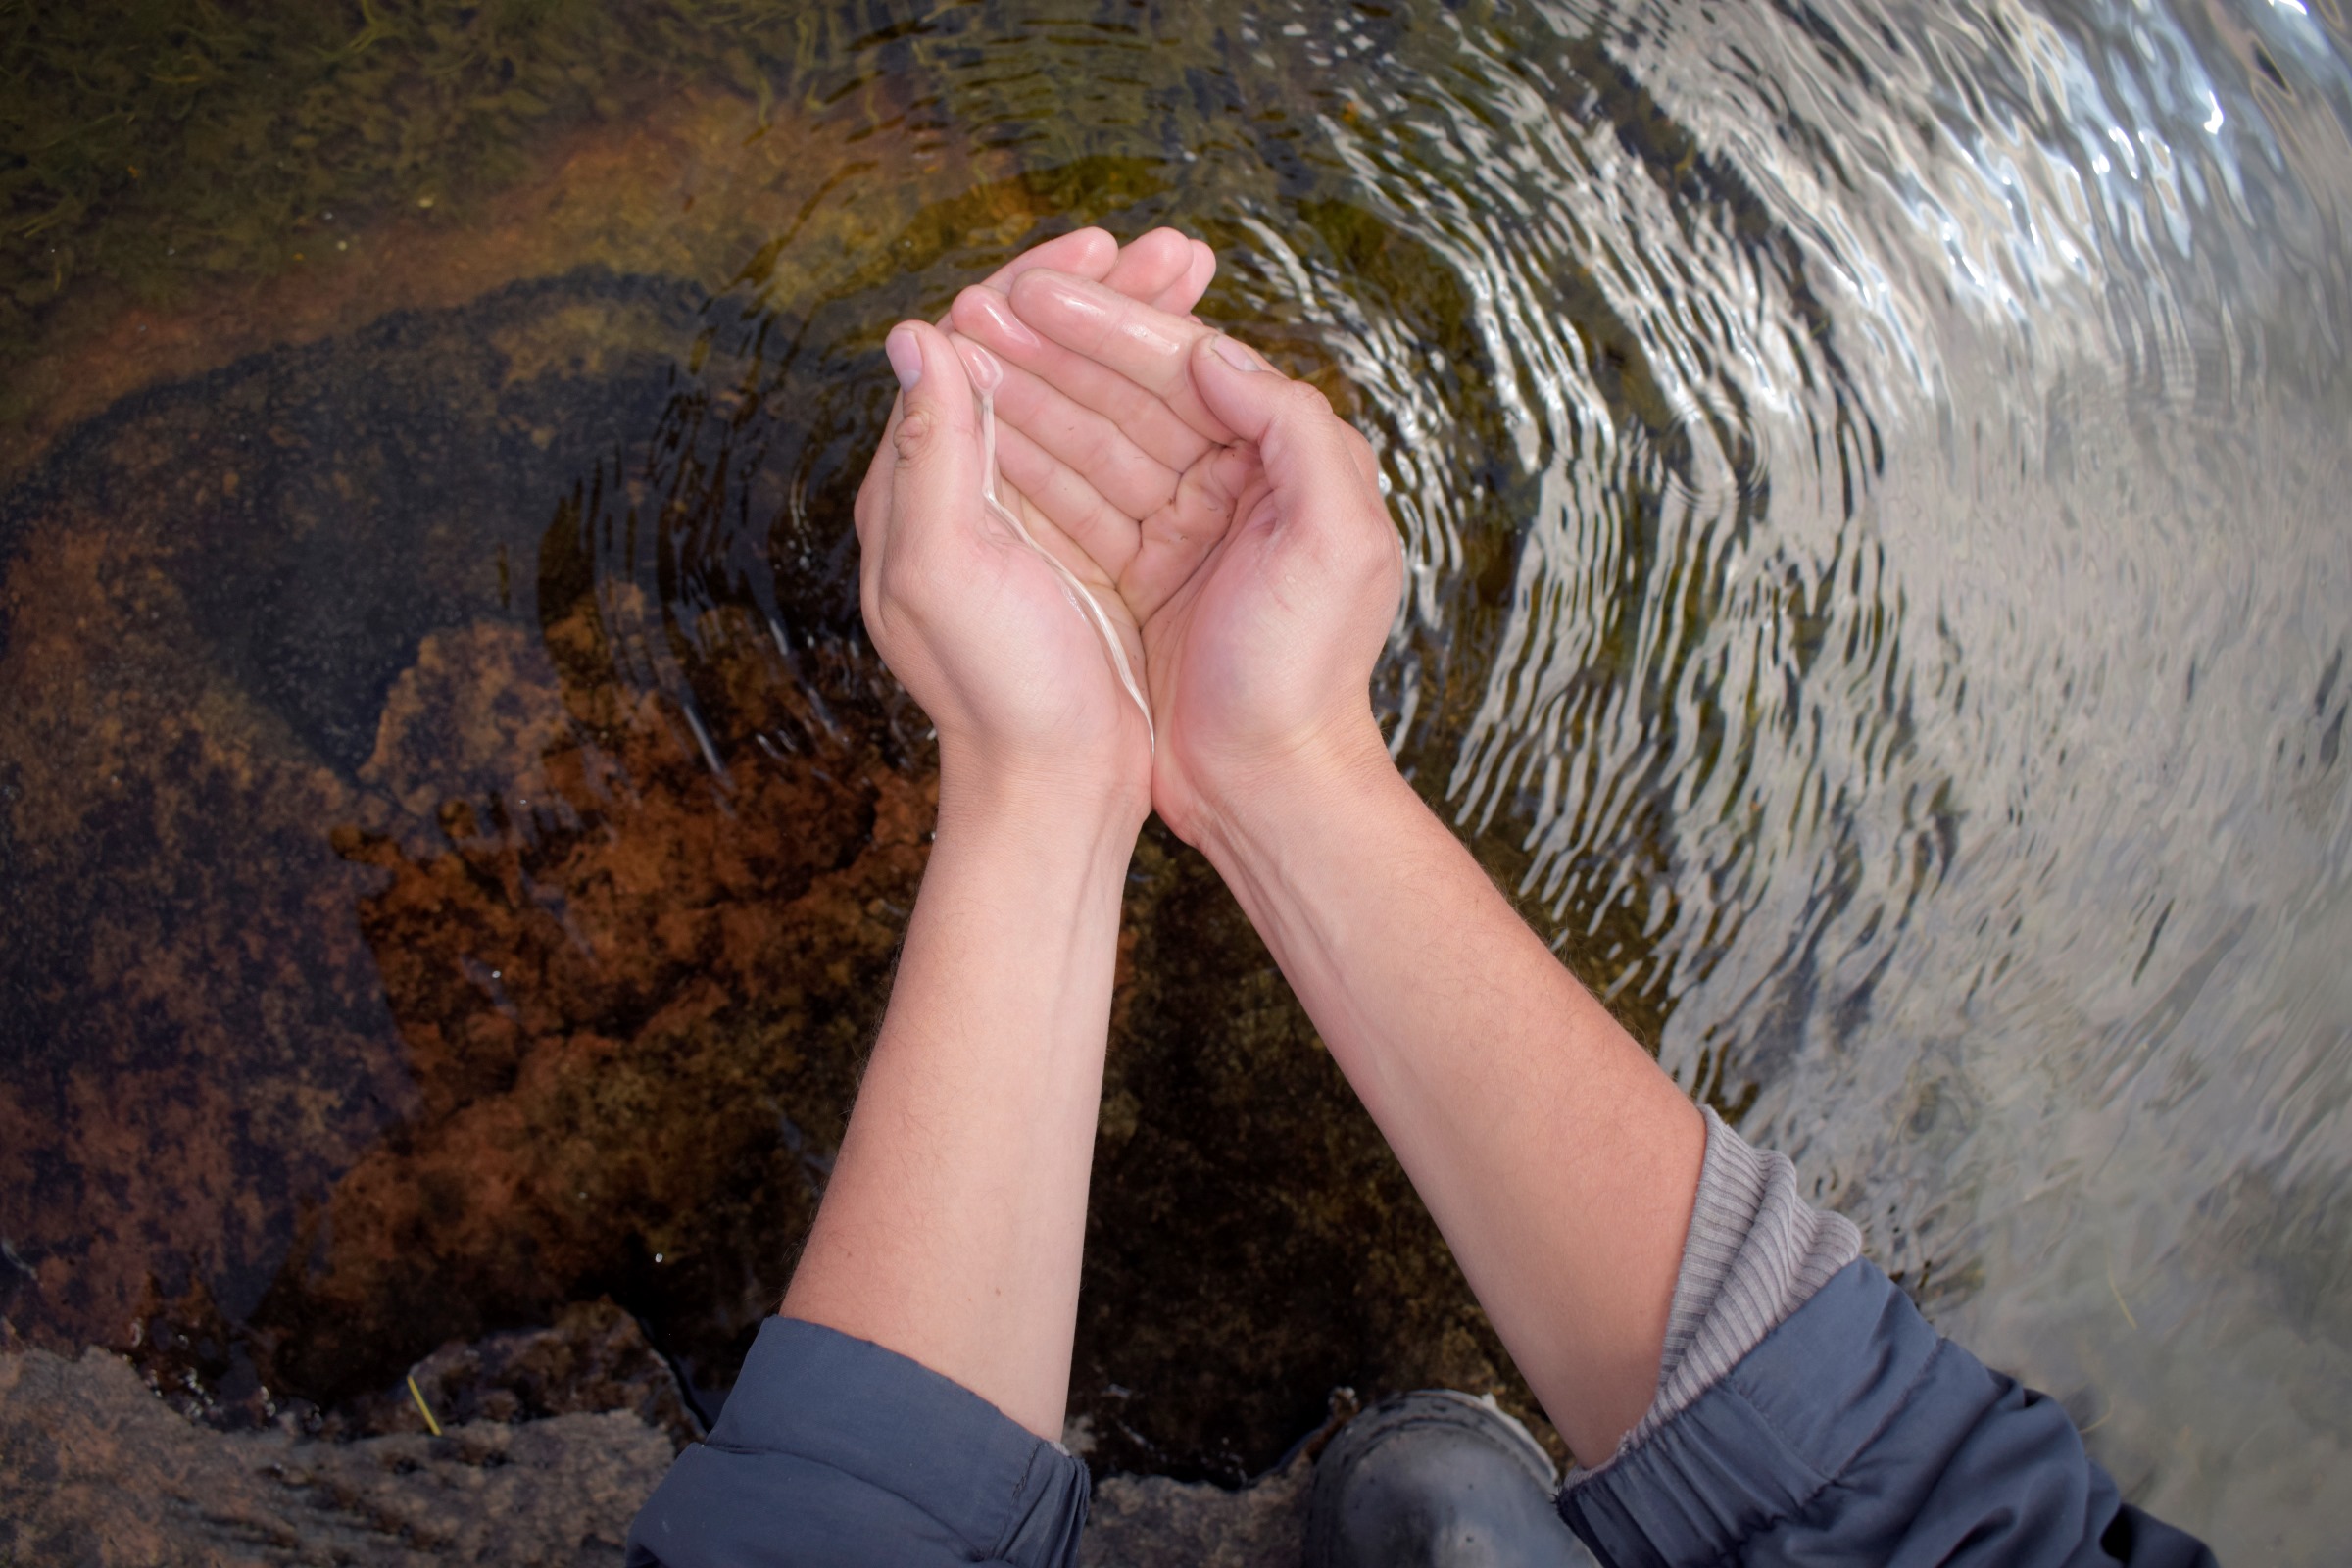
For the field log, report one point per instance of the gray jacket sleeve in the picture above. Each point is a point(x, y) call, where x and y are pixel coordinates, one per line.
point(1806, 1413)
point(836, 1453)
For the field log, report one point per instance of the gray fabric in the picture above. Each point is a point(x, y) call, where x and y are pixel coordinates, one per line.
point(1756, 1253)
point(1853, 1436)
point(1806, 1414)
point(835, 1453)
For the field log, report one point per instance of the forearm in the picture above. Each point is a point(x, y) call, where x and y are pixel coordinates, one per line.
point(952, 1227)
point(1558, 1158)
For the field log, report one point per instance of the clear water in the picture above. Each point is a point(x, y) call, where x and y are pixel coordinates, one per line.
point(1875, 479)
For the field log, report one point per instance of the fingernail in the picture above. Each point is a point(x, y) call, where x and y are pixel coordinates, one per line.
point(1016, 330)
point(985, 372)
point(906, 352)
point(1235, 355)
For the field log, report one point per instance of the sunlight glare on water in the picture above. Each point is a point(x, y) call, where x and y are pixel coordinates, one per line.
point(1941, 660)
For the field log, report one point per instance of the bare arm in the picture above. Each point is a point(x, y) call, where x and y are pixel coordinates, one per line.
point(1555, 1156)
point(952, 1227)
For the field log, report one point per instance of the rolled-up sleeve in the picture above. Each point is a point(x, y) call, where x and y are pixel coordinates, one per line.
point(835, 1452)
point(1807, 1416)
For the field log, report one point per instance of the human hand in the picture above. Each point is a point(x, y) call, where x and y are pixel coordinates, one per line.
point(1163, 268)
point(1239, 516)
point(981, 632)
point(942, 658)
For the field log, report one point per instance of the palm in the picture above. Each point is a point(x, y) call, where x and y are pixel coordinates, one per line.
point(1257, 638)
point(1068, 632)
point(1192, 661)
point(1211, 641)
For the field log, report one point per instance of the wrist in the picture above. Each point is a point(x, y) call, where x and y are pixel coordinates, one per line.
point(1040, 805)
point(1341, 778)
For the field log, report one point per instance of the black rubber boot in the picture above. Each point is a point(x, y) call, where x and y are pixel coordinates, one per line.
point(1437, 1480)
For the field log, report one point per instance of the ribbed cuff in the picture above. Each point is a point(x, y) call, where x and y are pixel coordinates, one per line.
point(1756, 1251)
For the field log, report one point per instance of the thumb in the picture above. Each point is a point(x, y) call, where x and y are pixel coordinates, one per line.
point(1303, 444)
point(937, 436)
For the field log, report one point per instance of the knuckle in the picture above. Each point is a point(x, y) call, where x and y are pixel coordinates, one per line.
point(1308, 398)
point(915, 435)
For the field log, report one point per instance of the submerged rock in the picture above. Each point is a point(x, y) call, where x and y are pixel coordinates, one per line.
point(450, 896)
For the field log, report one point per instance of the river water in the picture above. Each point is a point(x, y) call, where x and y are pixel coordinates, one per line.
point(1875, 486)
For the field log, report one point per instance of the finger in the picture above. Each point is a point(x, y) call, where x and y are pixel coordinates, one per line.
point(935, 446)
point(1082, 253)
point(1083, 385)
point(871, 514)
point(1306, 448)
point(1201, 267)
point(1159, 267)
point(1086, 512)
point(871, 511)
point(1091, 445)
point(1085, 253)
point(1077, 509)
point(1148, 265)
point(872, 506)
point(1149, 347)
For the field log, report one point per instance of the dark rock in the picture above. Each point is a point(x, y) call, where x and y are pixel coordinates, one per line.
point(594, 1358)
point(96, 1471)
point(1154, 1522)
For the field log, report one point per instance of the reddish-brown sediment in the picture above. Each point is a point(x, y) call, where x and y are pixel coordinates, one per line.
point(618, 1024)
point(210, 1035)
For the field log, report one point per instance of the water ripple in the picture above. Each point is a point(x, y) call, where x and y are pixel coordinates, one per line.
point(1871, 479)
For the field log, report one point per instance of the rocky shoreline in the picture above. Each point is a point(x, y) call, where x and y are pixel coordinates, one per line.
point(97, 1467)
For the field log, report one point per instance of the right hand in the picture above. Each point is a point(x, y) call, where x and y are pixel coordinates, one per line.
point(962, 613)
point(1240, 517)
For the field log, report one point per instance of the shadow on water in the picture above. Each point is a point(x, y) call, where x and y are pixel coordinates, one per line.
point(1867, 503)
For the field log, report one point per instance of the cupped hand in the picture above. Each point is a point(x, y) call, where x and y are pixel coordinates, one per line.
point(982, 632)
point(1239, 517)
